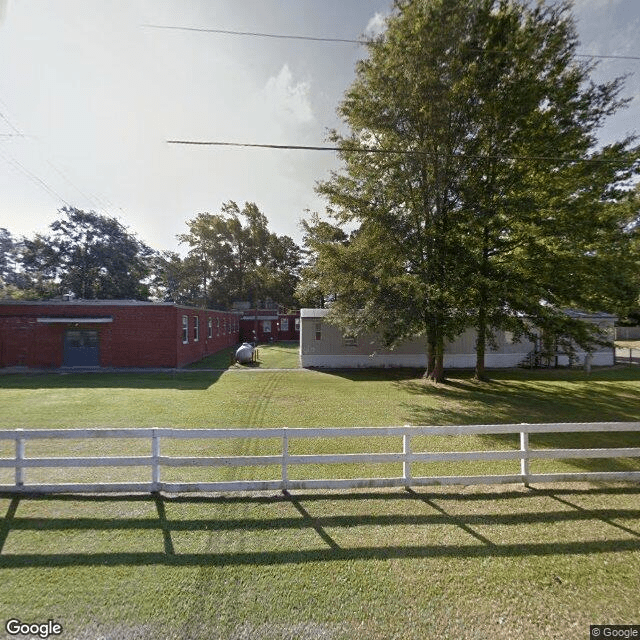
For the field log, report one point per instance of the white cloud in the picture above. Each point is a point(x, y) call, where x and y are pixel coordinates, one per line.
point(287, 99)
point(376, 25)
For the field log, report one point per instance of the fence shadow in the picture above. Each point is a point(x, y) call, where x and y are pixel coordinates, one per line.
point(441, 508)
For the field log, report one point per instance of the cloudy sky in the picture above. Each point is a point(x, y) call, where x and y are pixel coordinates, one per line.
point(89, 96)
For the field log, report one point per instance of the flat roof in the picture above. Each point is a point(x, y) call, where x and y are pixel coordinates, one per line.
point(104, 303)
point(313, 313)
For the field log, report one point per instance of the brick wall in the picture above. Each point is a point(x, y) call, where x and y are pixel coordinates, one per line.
point(223, 332)
point(248, 326)
point(139, 335)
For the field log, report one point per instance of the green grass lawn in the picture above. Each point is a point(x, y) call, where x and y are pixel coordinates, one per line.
point(499, 562)
point(278, 355)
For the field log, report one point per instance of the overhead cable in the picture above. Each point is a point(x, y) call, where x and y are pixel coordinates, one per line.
point(342, 40)
point(419, 152)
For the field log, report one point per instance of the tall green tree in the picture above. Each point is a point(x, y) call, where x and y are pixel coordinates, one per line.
point(239, 258)
point(544, 202)
point(8, 258)
point(315, 286)
point(466, 109)
point(90, 255)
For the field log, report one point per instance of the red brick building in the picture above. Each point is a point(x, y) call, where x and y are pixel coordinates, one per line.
point(269, 325)
point(110, 333)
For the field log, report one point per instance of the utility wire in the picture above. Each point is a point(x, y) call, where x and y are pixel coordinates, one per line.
point(342, 40)
point(94, 200)
point(33, 177)
point(254, 33)
point(418, 152)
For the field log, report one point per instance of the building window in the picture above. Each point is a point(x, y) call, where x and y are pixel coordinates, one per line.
point(296, 325)
point(224, 326)
point(196, 328)
point(185, 329)
point(218, 325)
point(266, 326)
point(349, 340)
point(209, 328)
point(318, 330)
point(284, 324)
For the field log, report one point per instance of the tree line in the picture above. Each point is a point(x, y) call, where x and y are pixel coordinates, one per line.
point(473, 192)
point(232, 255)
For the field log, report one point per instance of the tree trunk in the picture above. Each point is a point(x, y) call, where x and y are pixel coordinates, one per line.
point(481, 344)
point(481, 338)
point(435, 358)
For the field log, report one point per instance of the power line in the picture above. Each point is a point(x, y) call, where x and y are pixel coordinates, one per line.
point(93, 199)
point(254, 33)
point(33, 177)
point(419, 152)
point(342, 40)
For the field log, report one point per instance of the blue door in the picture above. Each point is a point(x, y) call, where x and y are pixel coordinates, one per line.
point(81, 348)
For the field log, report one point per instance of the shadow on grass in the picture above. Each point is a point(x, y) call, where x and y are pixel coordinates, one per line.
point(373, 374)
point(439, 505)
point(523, 396)
point(180, 380)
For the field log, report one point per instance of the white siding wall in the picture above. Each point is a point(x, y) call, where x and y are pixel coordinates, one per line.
point(332, 352)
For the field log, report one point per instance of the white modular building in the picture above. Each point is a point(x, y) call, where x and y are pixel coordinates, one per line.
point(323, 345)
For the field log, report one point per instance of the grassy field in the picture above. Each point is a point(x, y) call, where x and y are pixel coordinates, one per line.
point(279, 355)
point(444, 563)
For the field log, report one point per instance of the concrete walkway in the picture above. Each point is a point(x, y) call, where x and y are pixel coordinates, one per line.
point(75, 370)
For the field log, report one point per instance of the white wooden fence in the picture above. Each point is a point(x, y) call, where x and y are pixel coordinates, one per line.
point(155, 461)
point(627, 355)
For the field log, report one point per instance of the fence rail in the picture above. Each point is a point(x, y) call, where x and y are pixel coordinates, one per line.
point(285, 460)
point(627, 355)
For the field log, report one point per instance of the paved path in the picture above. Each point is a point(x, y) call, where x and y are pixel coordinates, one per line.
point(76, 370)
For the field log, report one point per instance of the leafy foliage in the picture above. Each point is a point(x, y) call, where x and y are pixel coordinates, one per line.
point(481, 200)
point(233, 255)
point(89, 255)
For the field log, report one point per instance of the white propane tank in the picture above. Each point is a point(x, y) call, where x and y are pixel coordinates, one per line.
point(244, 354)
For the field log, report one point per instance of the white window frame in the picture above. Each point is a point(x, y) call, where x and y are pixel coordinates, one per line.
point(296, 325)
point(196, 328)
point(185, 329)
point(209, 327)
point(266, 326)
point(284, 324)
point(318, 330)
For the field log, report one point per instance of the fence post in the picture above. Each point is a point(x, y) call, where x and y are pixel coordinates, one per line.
point(524, 459)
point(19, 469)
point(155, 464)
point(406, 464)
point(285, 459)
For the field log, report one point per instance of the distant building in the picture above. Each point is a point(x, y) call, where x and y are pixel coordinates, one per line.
point(323, 345)
point(269, 325)
point(110, 333)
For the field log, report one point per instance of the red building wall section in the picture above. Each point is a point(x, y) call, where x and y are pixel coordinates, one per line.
point(139, 335)
point(248, 326)
point(223, 332)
